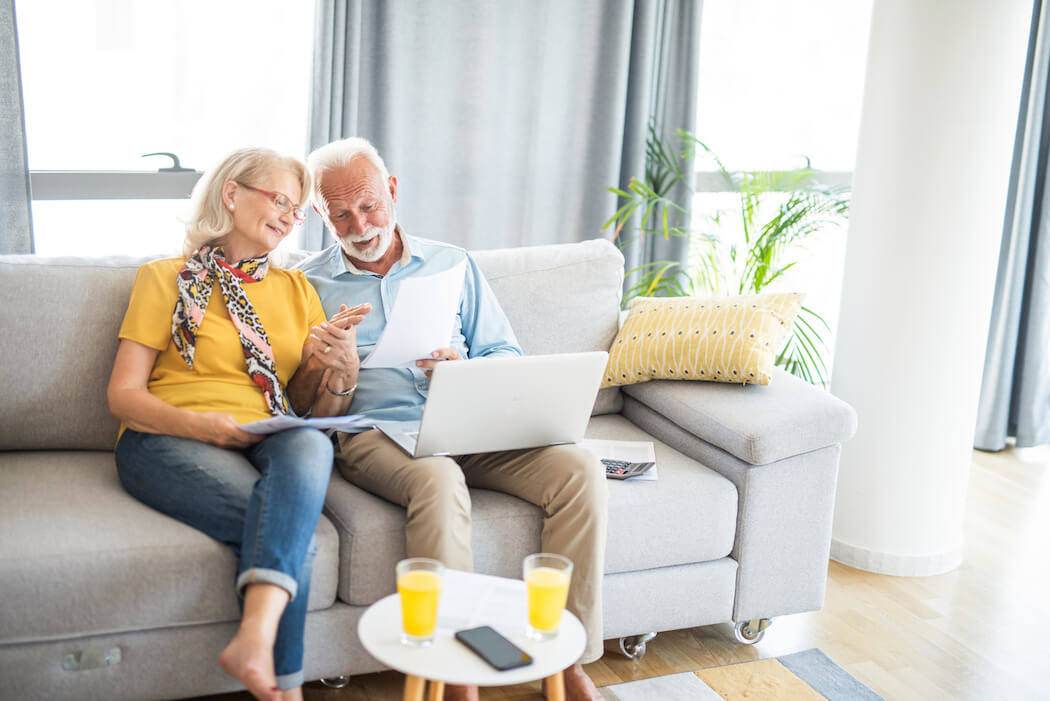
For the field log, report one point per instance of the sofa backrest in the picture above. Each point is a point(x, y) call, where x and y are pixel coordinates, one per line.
point(59, 319)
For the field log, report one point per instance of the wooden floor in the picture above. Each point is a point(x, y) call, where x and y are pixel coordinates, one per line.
point(975, 634)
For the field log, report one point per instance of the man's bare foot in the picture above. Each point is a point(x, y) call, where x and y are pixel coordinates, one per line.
point(249, 658)
point(578, 686)
point(455, 692)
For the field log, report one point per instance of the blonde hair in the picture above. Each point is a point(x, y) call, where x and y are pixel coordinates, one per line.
point(209, 219)
point(336, 155)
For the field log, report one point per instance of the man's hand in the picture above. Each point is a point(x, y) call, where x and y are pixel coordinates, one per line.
point(333, 345)
point(324, 343)
point(222, 429)
point(441, 354)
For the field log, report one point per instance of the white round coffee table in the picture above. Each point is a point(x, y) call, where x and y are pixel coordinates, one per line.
point(449, 661)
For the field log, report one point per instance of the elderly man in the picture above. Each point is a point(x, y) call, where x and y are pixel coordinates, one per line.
point(356, 196)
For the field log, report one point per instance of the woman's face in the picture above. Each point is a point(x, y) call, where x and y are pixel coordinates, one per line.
point(258, 224)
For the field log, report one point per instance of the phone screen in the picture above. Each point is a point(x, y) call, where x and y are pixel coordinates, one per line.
point(494, 648)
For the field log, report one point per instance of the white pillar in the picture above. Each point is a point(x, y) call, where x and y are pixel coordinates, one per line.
point(941, 103)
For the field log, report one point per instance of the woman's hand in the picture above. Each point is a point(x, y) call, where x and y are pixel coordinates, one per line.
point(222, 430)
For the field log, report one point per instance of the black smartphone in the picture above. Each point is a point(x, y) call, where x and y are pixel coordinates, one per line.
point(493, 648)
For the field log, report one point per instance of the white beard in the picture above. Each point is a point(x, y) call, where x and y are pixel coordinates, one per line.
point(386, 237)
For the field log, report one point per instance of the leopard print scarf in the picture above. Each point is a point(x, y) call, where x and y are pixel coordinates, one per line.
point(195, 281)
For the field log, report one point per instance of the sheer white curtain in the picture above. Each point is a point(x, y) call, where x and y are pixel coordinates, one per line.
point(16, 227)
point(505, 121)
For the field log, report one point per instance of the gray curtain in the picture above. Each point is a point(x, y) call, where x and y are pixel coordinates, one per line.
point(504, 120)
point(16, 224)
point(1015, 389)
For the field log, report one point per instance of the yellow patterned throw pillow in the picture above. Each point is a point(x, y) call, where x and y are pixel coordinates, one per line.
point(724, 339)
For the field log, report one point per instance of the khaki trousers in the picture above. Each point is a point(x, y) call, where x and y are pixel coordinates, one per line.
point(566, 481)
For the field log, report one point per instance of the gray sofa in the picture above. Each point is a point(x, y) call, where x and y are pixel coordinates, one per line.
point(103, 598)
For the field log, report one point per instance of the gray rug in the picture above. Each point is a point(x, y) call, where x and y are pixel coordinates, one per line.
point(797, 677)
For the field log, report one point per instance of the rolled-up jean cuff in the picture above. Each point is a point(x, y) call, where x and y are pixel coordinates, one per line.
point(290, 681)
point(260, 575)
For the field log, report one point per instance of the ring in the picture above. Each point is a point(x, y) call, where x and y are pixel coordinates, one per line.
point(327, 349)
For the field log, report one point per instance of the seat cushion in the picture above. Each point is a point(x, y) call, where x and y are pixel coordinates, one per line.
point(80, 556)
point(687, 516)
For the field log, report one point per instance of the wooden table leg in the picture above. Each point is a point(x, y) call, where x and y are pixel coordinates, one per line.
point(556, 687)
point(413, 688)
point(437, 691)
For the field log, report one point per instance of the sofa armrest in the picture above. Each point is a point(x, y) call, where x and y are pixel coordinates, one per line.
point(759, 424)
point(780, 447)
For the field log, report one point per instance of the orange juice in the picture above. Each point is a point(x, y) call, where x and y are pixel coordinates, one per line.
point(420, 591)
point(548, 589)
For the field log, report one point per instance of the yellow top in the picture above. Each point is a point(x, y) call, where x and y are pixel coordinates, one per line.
point(287, 306)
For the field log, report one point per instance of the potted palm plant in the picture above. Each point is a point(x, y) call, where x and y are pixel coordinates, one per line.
point(776, 212)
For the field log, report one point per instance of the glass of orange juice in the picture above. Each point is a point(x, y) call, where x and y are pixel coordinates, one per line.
point(419, 584)
point(547, 578)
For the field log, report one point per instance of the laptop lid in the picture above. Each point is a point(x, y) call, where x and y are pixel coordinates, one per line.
point(488, 404)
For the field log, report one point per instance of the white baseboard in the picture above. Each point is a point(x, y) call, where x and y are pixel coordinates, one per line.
point(894, 564)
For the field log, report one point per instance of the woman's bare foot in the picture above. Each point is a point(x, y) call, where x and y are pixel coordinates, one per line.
point(249, 658)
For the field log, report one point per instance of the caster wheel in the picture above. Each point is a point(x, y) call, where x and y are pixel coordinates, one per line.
point(633, 646)
point(335, 682)
point(750, 632)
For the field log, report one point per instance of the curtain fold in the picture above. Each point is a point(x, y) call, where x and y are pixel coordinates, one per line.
point(505, 122)
point(665, 59)
point(1015, 388)
point(16, 223)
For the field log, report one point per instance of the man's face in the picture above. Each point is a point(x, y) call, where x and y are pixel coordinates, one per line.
point(360, 209)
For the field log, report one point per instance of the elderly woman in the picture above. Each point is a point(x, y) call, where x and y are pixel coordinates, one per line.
point(222, 337)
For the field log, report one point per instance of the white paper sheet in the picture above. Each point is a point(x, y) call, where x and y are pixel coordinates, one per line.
point(280, 423)
point(481, 599)
point(421, 320)
point(632, 451)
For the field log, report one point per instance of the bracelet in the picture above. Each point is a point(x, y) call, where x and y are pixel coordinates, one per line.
point(346, 393)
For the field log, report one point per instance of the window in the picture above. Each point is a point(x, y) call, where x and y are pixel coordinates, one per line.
point(782, 80)
point(105, 82)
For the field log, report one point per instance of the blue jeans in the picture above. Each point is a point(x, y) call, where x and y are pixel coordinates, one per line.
point(263, 501)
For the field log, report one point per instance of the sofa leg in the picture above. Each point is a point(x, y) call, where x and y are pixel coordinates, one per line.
point(750, 632)
point(335, 682)
point(633, 646)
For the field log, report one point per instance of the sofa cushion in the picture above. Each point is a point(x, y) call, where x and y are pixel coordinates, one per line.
point(795, 417)
point(54, 310)
point(560, 298)
point(718, 339)
point(650, 524)
point(103, 562)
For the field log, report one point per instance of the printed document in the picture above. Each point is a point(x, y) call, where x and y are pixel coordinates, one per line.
point(421, 320)
point(280, 423)
point(470, 600)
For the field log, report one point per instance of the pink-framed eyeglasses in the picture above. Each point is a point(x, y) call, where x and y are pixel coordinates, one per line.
point(282, 202)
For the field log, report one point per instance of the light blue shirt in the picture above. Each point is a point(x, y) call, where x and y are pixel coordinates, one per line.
point(481, 328)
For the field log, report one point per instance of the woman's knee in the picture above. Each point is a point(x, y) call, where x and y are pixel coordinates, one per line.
point(308, 453)
point(311, 446)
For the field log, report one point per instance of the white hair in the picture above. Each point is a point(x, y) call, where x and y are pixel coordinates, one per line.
point(336, 155)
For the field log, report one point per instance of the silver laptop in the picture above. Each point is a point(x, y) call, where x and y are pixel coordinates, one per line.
point(489, 404)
